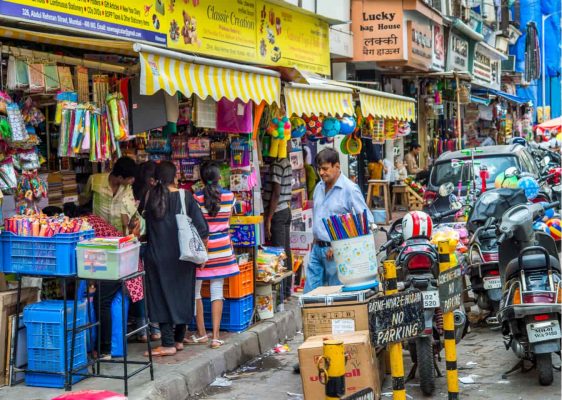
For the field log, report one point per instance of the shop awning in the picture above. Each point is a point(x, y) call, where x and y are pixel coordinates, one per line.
point(499, 93)
point(387, 105)
point(318, 99)
point(479, 100)
point(101, 45)
point(177, 72)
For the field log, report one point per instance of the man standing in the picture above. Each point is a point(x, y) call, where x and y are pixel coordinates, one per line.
point(112, 194)
point(335, 194)
point(277, 204)
point(411, 159)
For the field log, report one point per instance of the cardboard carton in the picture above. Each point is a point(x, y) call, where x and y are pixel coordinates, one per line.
point(362, 366)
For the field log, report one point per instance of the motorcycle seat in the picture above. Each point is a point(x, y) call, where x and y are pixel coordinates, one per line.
point(531, 262)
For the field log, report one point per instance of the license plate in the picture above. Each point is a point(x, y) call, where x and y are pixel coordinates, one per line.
point(431, 299)
point(541, 331)
point(492, 282)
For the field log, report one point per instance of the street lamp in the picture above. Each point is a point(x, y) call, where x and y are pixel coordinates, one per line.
point(543, 63)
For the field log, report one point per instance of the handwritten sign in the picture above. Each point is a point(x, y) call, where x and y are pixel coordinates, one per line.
point(396, 317)
point(450, 289)
point(378, 33)
point(457, 55)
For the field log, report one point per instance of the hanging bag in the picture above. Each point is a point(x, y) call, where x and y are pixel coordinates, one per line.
point(192, 248)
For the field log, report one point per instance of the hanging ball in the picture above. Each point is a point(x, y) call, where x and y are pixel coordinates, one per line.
point(347, 125)
point(554, 227)
point(530, 186)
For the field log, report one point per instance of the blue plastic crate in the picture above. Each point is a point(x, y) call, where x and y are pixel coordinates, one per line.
point(41, 256)
point(45, 341)
point(236, 313)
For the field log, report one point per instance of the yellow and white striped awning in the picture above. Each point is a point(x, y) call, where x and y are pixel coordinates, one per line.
point(318, 99)
point(386, 105)
point(204, 77)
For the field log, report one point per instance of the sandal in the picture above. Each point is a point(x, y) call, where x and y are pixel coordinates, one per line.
point(216, 343)
point(196, 340)
point(162, 352)
point(179, 346)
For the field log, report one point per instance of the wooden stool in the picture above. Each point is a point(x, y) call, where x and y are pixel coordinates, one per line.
point(385, 186)
point(399, 190)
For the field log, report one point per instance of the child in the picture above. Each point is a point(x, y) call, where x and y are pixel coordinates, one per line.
point(400, 170)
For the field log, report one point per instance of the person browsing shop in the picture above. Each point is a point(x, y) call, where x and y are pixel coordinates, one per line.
point(335, 194)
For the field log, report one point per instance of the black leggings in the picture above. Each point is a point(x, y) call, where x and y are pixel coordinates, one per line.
point(172, 335)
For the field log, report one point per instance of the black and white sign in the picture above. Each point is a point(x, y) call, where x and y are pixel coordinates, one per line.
point(457, 54)
point(482, 65)
point(396, 317)
point(450, 289)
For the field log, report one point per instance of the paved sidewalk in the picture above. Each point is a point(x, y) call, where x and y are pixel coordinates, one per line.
point(188, 372)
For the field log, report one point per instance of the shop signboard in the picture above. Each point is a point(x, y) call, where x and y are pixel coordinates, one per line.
point(252, 31)
point(378, 30)
point(420, 47)
point(438, 57)
point(481, 65)
point(457, 53)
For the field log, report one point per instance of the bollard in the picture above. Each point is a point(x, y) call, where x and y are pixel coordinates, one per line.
point(395, 349)
point(447, 259)
point(331, 369)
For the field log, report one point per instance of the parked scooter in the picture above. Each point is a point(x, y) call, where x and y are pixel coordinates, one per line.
point(483, 269)
point(532, 294)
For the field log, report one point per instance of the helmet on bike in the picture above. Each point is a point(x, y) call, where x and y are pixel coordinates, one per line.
point(416, 223)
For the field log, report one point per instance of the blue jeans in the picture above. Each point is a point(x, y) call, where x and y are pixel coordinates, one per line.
point(320, 270)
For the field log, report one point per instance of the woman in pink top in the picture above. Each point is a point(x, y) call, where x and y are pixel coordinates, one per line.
point(216, 204)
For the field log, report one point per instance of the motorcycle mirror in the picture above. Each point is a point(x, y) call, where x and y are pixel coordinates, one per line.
point(545, 161)
point(446, 189)
point(511, 172)
point(456, 205)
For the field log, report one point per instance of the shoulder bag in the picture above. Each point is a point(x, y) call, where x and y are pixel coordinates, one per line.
point(192, 248)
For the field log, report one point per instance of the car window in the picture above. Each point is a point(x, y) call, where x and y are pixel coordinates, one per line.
point(445, 172)
point(527, 163)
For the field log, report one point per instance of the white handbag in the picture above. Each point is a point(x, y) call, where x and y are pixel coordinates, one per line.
point(192, 248)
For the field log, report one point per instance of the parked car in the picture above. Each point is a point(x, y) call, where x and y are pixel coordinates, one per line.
point(495, 158)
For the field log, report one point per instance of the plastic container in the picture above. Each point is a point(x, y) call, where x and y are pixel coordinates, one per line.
point(356, 262)
point(53, 256)
point(379, 216)
point(236, 314)
point(237, 286)
point(45, 342)
point(95, 263)
point(265, 301)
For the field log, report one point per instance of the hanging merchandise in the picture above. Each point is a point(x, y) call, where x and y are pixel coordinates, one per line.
point(314, 127)
point(191, 169)
point(205, 113)
point(31, 114)
point(15, 119)
point(347, 125)
point(240, 149)
point(390, 128)
point(64, 98)
point(404, 129)
point(100, 87)
point(298, 127)
point(354, 145)
point(280, 132)
point(52, 82)
point(199, 147)
point(30, 189)
point(158, 144)
point(234, 116)
point(179, 147)
point(36, 74)
point(8, 178)
point(330, 127)
point(27, 160)
point(17, 75)
point(82, 84)
point(378, 131)
point(118, 116)
point(184, 113)
point(65, 79)
point(5, 129)
point(218, 150)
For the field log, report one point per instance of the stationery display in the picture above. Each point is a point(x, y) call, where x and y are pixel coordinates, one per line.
point(42, 226)
point(347, 226)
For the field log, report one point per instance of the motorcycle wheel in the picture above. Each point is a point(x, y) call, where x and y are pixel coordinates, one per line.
point(424, 352)
point(544, 367)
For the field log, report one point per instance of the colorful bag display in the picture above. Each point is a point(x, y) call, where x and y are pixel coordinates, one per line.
point(234, 116)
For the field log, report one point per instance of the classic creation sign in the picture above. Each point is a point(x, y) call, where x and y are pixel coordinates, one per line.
point(396, 317)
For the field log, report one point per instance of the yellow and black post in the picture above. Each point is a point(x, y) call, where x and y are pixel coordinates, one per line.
point(447, 260)
point(331, 369)
point(395, 349)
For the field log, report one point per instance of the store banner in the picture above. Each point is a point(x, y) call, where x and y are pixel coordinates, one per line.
point(420, 50)
point(457, 53)
point(481, 65)
point(438, 57)
point(252, 31)
point(378, 30)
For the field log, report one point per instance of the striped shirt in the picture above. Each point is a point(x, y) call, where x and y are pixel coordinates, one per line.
point(280, 172)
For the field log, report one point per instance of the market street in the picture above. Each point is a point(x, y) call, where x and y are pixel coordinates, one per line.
point(481, 359)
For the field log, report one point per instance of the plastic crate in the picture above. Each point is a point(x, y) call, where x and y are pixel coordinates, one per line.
point(96, 263)
point(53, 256)
point(236, 314)
point(236, 286)
point(45, 341)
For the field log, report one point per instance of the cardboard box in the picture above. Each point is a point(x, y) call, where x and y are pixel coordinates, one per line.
point(7, 308)
point(361, 369)
point(328, 310)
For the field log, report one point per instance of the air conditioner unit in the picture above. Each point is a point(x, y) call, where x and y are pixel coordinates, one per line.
point(509, 64)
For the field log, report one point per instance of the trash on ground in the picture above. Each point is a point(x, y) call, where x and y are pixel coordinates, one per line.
point(471, 364)
point(294, 396)
point(222, 382)
point(468, 380)
point(281, 348)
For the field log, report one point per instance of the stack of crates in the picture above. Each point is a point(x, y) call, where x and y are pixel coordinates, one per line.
point(239, 300)
point(44, 323)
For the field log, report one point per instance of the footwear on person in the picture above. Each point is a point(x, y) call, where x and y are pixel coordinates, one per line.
point(196, 340)
point(162, 351)
point(216, 343)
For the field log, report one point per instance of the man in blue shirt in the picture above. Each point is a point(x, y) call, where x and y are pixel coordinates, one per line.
point(335, 194)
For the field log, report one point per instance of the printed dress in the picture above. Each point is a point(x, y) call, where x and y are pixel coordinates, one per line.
point(221, 263)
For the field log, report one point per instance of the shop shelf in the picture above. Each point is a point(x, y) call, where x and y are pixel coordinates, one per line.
point(237, 286)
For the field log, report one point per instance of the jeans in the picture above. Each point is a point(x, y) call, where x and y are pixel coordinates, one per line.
point(172, 334)
point(281, 237)
point(320, 270)
point(107, 292)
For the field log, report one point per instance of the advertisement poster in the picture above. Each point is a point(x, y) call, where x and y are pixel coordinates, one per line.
point(252, 31)
point(438, 58)
point(378, 34)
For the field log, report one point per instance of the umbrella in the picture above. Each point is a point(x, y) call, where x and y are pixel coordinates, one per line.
point(554, 126)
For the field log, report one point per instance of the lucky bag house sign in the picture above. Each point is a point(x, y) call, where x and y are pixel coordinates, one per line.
point(378, 30)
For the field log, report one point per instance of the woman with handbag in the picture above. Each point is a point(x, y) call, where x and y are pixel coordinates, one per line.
point(170, 281)
point(216, 204)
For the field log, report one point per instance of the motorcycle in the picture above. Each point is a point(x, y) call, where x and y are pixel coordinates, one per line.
point(532, 295)
point(483, 268)
point(418, 266)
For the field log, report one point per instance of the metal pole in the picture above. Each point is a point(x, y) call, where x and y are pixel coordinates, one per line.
point(459, 134)
point(395, 349)
point(331, 369)
point(447, 260)
point(543, 68)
